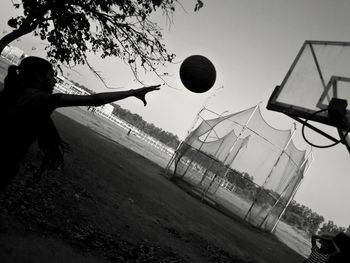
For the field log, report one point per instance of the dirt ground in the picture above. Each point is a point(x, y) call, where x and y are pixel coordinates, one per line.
point(111, 204)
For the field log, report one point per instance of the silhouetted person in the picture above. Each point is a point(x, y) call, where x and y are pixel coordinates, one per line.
point(342, 240)
point(26, 104)
point(323, 249)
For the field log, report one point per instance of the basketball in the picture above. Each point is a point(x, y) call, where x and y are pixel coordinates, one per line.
point(197, 73)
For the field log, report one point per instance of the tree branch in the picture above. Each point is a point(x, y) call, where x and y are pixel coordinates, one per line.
point(17, 33)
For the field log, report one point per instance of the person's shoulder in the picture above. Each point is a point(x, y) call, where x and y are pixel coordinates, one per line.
point(34, 94)
point(38, 98)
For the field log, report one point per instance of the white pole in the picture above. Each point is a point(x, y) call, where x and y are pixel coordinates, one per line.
point(233, 146)
point(295, 191)
point(181, 142)
point(270, 173)
point(279, 157)
point(197, 150)
point(284, 190)
point(239, 135)
point(189, 130)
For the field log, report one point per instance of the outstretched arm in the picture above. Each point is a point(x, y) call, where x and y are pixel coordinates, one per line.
point(98, 99)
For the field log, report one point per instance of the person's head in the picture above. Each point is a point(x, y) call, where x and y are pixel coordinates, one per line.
point(32, 71)
point(342, 240)
point(327, 243)
point(326, 246)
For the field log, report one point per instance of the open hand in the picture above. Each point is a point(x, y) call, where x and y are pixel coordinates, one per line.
point(141, 93)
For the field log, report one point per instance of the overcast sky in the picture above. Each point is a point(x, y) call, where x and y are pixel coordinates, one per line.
point(252, 43)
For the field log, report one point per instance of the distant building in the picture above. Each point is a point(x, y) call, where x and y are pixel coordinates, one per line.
point(13, 54)
point(66, 86)
point(107, 109)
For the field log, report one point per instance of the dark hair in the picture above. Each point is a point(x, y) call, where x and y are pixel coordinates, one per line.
point(11, 77)
point(26, 70)
point(342, 240)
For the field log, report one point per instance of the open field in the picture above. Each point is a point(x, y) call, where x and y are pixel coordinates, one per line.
point(287, 234)
point(233, 203)
point(292, 237)
point(117, 134)
point(111, 204)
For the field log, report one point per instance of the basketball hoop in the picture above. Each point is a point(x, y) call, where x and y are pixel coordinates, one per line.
point(336, 111)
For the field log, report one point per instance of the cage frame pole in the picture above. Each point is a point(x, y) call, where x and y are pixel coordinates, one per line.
point(234, 144)
point(284, 190)
point(213, 160)
point(197, 150)
point(295, 191)
point(206, 137)
point(211, 164)
point(279, 157)
point(172, 159)
point(239, 135)
point(277, 201)
point(270, 173)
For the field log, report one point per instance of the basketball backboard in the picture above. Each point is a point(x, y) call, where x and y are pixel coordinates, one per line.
point(317, 85)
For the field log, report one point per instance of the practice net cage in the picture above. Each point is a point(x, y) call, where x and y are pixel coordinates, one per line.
point(242, 164)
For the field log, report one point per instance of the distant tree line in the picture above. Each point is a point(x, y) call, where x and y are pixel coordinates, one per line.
point(331, 228)
point(136, 120)
point(305, 219)
point(296, 215)
point(302, 217)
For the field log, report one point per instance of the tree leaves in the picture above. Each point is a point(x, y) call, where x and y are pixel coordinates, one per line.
point(122, 29)
point(198, 5)
point(13, 22)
